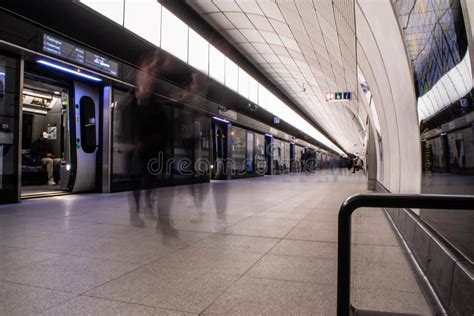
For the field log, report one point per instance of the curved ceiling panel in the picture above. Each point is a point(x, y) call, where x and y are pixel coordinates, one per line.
point(306, 48)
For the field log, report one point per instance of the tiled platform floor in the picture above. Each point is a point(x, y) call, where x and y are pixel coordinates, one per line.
point(257, 246)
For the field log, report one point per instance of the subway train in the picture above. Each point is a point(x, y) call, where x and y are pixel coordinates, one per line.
point(242, 152)
point(103, 124)
point(158, 142)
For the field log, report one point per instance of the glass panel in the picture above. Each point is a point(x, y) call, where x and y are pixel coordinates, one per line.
point(183, 144)
point(285, 157)
point(239, 141)
point(250, 144)
point(231, 74)
point(122, 140)
point(216, 64)
point(9, 96)
point(174, 35)
point(260, 161)
point(243, 83)
point(276, 154)
point(113, 9)
point(199, 52)
point(143, 17)
point(298, 158)
point(88, 128)
point(202, 153)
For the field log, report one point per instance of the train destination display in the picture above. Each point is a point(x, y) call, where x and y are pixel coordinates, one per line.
point(79, 55)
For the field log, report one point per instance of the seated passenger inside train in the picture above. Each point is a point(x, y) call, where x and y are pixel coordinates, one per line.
point(43, 142)
point(41, 150)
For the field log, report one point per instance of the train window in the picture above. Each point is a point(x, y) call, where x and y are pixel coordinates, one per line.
point(88, 122)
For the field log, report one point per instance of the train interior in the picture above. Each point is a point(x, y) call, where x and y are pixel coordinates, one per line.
point(44, 107)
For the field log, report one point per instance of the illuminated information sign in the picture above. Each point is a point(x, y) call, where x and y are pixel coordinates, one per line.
point(78, 55)
point(338, 96)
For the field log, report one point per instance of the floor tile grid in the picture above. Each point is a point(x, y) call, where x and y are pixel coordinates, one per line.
point(284, 200)
point(83, 294)
point(111, 300)
point(263, 210)
point(60, 253)
point(222, 230)
point(75, 296)
point(253, 265)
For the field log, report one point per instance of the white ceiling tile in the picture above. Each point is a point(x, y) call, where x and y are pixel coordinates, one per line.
point(203, 6)
point(234, 36)
point(290, 43)
point(271, 38)
point(239, 20)
point(260, 22)
point(263, 48)
point(253, 36)
point(218, 21)
point(271, 58)
point(280, 50)
point(249, 7)
point(281, 28)
point(297, 56)
point(226, 5)
point(293, 20)
point(271, 10)
point(247, 48)
point(302, 41)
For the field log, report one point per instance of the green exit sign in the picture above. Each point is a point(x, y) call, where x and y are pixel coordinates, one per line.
point(338, 96)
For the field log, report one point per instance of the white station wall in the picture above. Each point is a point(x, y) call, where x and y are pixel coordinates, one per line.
point(383, 60)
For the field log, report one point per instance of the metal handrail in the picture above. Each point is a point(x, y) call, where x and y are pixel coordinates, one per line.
point(424, 201)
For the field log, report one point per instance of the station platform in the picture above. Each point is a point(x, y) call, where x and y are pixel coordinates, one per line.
point(255, 246)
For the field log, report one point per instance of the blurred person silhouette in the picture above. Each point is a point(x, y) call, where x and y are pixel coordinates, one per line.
point(150, 128)
point(154, 123)
point(220, 192)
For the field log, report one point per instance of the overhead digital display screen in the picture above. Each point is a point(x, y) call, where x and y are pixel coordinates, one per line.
point(101, 63)
point(79, 55)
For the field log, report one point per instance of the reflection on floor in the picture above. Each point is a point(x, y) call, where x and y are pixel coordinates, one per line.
point(39, 189)
point(456, 226)
point(257, 246)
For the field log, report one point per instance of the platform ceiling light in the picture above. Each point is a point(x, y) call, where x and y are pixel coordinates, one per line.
point(220, 119)
point(77, 72)
point(269, 135)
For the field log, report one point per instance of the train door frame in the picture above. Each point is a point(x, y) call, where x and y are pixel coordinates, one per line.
point(220, 127)
point(30, 68)
point(292, 157)
point(36, 75)
point(269, 153)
